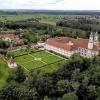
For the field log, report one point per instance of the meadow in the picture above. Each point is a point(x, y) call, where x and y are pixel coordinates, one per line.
point(42, 18)
point(4, 72)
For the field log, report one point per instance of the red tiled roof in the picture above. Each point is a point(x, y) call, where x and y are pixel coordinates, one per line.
point(63, 42)
point(98, 44)
point(12, 37)
point(11, 61)
point(1, 56)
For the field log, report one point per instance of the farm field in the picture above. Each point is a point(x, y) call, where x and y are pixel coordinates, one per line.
point(42, 18)
point(37, 59)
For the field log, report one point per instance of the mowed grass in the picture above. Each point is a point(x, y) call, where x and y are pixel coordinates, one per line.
point(24, 59)
point(46, 57)
point(22, 52)
point(33, 64)
point(19, 52)
point(29, 61)
point(4, 72)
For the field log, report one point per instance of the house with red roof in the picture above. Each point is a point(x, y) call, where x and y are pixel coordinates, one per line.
point(67, 46)
point(12, 38)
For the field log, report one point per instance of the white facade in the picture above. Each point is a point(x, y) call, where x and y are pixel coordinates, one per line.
point(87, 52)
point(82, 51)
point(60, 51)
point(12, 65)
point(90, 49)
point(41, 44)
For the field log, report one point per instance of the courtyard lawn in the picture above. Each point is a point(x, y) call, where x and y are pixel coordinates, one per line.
point(46, 57)
point(19, 52)
point(33, 64)
point(23, 51)
point(53, 67)
point(37, 59)
point(41, 54)
point(4, 72)
point(51, 59)
point(24, 59)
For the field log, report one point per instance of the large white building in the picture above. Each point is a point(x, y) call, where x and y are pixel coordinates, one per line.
point(67, 46)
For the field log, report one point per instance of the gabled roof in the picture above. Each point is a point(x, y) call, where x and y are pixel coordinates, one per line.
point(61, 43)
point(64, 43)
point(11, 36)
point(98, 44)
point(41, 41)
point(11, 61)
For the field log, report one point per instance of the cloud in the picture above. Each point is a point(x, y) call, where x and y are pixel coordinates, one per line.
point(51, 4)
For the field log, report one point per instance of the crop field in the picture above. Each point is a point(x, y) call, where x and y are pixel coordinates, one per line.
point(42, 18)
point(37, 60)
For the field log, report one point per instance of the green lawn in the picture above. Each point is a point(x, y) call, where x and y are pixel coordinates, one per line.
point(23, 51)
point(33, 64)
point(19, 52)
point(24, 59)
point(38, 59)
point(4, 72)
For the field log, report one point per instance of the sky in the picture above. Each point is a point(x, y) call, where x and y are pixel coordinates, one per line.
point(51, 4)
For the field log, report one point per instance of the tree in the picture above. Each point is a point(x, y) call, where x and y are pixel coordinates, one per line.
point(76, 61)
point(45, 86)
point(15, 91)
point(20, 75)
point(46, 98)
point(94, 75)
point(9, 55)
point(69, 96)
point(4, 44)
point(63, 86)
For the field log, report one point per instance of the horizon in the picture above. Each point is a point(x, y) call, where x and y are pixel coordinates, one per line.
point(49, 10)
point(50, 4)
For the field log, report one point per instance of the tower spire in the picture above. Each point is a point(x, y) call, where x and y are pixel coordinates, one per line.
point(96, 38)
point(90, 42)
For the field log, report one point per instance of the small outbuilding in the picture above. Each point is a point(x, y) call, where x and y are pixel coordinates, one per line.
point(41, 43)
point(11, 63)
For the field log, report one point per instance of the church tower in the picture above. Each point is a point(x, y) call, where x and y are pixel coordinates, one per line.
point(96, 38)
point(90, 42)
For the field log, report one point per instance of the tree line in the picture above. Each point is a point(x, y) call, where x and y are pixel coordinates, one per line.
point(84, 24)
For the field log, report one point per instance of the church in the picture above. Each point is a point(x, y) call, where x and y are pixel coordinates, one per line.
point(67, 46)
